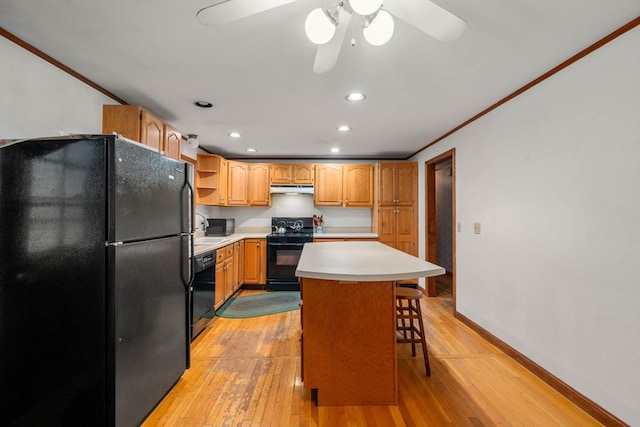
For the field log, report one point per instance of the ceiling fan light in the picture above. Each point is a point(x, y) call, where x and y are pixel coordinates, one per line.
point(365, 7)
point(380, 29)
point(319, 27)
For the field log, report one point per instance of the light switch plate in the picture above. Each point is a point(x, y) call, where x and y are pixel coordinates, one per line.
point(476, 228)
point(459, 227)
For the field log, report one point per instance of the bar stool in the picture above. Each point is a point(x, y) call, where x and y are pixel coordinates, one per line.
point(407, 313)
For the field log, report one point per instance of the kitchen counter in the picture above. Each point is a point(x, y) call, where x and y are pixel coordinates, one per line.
point(348, 294)
point(211, 243)
point(361, 261)
point(344, 235)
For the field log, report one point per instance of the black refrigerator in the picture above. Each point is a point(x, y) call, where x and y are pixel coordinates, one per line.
point(95, 244)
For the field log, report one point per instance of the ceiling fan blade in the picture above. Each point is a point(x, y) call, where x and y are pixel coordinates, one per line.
point(327, 54)
point(428, 17)
point(225, 11)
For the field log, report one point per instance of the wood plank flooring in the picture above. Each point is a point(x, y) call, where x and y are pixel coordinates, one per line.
point(246, 372)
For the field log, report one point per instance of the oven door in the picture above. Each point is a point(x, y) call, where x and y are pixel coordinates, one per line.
point(281, 266)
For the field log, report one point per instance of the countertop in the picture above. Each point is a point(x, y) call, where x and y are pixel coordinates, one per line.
point(202, 244)
point(363, 261)
point(211, 243)
point(344, 235)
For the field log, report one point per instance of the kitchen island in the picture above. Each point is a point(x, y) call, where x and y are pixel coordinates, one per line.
point(348, 319)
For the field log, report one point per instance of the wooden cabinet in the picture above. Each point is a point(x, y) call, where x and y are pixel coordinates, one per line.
point(237, 186)
point(225, 276)
point(231, 277)
point(259, 192)
point(211, 180)
point(238, 264)
point(328, 185)
point(357, 186)
point(347, 360)
point(292, 174)
point(344, 185)
point(395, 214)
point(171, 142)
point(255, 261)
point(219, 295)
point(136, 123)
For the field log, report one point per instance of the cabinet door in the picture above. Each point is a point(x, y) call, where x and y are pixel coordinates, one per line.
point(357, 186)
point(387, 183)
point(280, 174)
point(255, 261)
point(222, 190)
point(406, 230)
point(239, 258)
point(220, 282)
point(328, 185)
point(238, 184)
point(228, 278)
point(302, 174)
point(151, 130)
point(259, 191)
point(387, 225)
point(407, 183)
point(172, 141)
point(251, 261)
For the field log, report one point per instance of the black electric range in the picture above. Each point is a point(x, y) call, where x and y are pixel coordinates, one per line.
point(284, 247)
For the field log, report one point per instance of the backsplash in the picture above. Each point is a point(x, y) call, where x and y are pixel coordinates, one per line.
point(250, 219)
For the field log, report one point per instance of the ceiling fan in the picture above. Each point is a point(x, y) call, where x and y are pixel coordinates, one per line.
point(327, 26)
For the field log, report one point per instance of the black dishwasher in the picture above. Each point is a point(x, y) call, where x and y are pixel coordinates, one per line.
point(203, 292)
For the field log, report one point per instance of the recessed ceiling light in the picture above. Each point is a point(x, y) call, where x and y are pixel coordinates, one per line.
point(344, 128)
point(335, 150)
point(235, 135)
point(251, 150)
point(355, 97)
point(203, 104)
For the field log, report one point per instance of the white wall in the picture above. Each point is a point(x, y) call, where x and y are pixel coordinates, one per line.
point(38, 99)
point(553, 176)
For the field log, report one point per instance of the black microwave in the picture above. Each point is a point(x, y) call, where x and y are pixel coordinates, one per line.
point(221, 227)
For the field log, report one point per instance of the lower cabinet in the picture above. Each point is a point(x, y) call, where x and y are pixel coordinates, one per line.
point(255, 261)
point(219, 296)
point(238, 265)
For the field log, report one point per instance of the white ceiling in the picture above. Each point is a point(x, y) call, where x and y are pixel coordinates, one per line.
point(258, 71)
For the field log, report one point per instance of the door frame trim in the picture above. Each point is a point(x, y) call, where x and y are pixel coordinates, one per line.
point(430, 218)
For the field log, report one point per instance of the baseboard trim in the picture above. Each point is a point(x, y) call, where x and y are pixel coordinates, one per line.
point(586, 404)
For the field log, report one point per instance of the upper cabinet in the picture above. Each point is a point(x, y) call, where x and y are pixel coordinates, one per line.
point(343, 185)
point(292, 174)
point(211, 180)
point(395, 214)
point(259, 192)
point(237, 186)
point(172, 142)
point(397, 183)
point(136, 123)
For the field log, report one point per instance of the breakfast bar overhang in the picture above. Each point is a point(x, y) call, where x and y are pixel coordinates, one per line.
point(348, 318)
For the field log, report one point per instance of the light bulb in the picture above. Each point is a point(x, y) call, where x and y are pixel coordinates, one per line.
point(380, 29)
point(318, 27)
point(365, 7)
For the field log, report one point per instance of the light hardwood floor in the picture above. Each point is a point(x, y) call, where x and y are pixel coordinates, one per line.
point(246, 372)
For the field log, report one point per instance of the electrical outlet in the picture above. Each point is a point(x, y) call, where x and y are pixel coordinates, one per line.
point(476, 228)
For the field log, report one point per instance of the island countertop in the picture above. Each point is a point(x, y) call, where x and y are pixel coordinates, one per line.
point(361, 261)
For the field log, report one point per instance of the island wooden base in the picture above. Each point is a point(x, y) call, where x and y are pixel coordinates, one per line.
point(349, 342)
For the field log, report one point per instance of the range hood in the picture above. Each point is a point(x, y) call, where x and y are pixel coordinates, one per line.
point(292, 189)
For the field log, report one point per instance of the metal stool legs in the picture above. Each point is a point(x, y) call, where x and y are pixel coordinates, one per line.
point(409, 322)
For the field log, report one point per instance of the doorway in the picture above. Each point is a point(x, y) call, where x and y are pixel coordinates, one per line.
point(440, 219)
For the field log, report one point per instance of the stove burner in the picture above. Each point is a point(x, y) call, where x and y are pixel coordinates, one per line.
point(287, 226)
